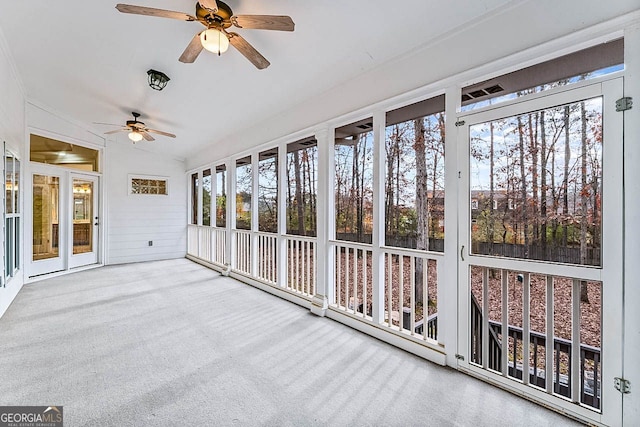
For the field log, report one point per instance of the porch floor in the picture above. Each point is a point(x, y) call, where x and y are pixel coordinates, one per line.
point(174, 343)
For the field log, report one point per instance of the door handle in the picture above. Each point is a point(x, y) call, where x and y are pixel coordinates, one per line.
point(462, 252)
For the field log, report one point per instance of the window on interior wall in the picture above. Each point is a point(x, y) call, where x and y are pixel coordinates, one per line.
point(12, 215)
point(596, 61)
point(243, 193)
point(148, 185)
point(268, 191)
point(206, 197)
point(59, 153)
point(354, 181)
point(194, 198)
point(414, 176)
point(302, 187)
point(221, 196)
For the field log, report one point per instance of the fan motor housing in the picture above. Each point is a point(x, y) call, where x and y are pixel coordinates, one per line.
point(224, 13)
point(134, 124)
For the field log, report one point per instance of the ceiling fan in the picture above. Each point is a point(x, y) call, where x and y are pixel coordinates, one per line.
point(217, 17)
point(137, 130)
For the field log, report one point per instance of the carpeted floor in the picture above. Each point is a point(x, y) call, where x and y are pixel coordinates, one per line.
point(173, 343)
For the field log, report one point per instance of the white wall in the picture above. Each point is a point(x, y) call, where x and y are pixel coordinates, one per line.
point(134, 220)
point(12, 121)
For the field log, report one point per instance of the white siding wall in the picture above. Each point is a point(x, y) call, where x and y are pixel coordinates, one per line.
point(134, 220)
point(12, 119)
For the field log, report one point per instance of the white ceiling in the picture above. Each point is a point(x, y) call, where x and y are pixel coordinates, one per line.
point(86, 60)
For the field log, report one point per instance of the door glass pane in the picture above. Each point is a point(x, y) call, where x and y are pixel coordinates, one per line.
point(221, 196)
point(194, 198)
point(82, 216)
point(353, 181)
point(536, 185)
point(46, 197)
point(414, 176)
point(302, 187)
point(9, 184)
point(243, 193)
point(268, 191)
point(16, 184)
point(206, 197)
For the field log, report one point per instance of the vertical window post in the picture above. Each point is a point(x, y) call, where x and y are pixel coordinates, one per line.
point(379, 132)
point(282, 216)
point(255, 193)
point(325, 223)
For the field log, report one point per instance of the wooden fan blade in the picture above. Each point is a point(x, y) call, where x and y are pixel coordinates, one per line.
point(116, 131)
point(248, 51)
point(192, 51)
point(146, 136)
point(159, 132)
point(264, 22)
point(209, 4)
point(150, 11)
point(106, 124)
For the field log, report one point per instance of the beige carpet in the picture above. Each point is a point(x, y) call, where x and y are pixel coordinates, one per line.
point(173, 343)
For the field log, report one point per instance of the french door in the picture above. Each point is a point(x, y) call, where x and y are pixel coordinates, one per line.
point(540, 252)
point(65, 220)
point(84, 220)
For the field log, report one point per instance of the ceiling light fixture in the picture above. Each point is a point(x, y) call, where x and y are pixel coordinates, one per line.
point(214, 41)
point(135, 136)
point(157, 80)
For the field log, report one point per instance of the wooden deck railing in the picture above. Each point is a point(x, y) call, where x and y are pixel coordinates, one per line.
point(589, 393)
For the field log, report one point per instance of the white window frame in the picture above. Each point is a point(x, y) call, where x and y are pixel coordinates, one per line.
point(131, 177)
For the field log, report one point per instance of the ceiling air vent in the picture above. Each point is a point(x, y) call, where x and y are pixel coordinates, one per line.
point(494, 89)
point(365, 126)
point(311, 142)
point(482, 92)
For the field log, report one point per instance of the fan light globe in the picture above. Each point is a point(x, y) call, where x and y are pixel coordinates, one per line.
point(135, 136)
point(214, 41)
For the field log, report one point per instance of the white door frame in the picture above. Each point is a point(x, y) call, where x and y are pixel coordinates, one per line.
point(87, 258)
point(609, 274)
point(59, 263)
point(65, 259)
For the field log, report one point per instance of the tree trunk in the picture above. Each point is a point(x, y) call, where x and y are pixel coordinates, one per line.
point(583, 201)
point(492, 195)
point(565, 179)
point(523, 189)
point(355, 190)
point(421, 205)
point(533, 148)
point(389, 199)
point(312, 196)
point(543, 183)
point(299, 203)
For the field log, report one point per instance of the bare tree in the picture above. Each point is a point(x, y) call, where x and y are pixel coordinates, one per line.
point(299, 202)
point(421, 202)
